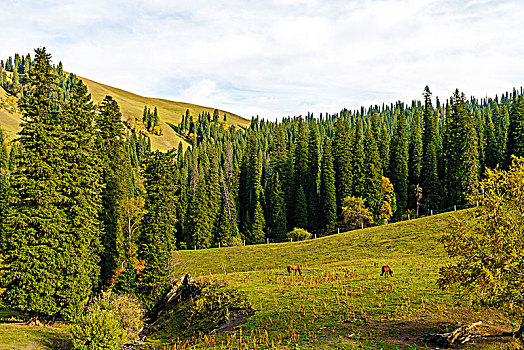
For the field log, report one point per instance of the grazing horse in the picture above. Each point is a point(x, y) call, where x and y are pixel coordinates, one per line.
point(386, 270)
point(293, 268)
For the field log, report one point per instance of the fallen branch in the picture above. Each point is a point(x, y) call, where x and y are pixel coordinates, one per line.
point(459, 335)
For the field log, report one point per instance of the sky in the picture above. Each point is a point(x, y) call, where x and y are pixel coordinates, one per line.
point(277, 58)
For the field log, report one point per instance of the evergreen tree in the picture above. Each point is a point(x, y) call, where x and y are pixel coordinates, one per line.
point(116, 175)
point(158, 229)
point(342, 162)
point(277, 209)
point(372, 175)
point(312, 176)
point(460, 151)
point(493, 156)
point(301, 219)
point(257, 234)
point(515, 145)
point(398, 166)
point(415, 157)
point(357, 161)
point(327, 187)
point(55, 204)
point(430, 181)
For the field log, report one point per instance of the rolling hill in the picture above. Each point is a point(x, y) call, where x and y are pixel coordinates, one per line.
point(132, 106)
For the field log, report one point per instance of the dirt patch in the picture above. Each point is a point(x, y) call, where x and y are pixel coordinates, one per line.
point(495, 327)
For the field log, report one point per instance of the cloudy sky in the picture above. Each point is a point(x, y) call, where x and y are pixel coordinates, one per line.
point(276, 58)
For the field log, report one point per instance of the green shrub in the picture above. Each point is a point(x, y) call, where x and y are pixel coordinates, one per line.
point(299, 234)
point(130, 313)
point(98, 329)
point(110, 322)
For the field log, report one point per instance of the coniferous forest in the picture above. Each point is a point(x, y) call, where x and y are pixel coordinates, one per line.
point(86, 205)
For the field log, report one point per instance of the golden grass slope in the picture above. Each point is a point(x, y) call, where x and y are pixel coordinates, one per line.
point(132, 106)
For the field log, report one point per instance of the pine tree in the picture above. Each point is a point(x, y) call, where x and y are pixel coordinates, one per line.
point(249, 184)
point(116, 175)
point(398, 166)
point(460, 151)
point(430, 181)
point(372, 175)
point(157, 240)
point(342, 162)
point(301, 219)
point(493, 156)
point(312, 177)
point(415, 157)
point(301, 159)
point(256, 234)
point(277, 208)
point(515, 145)
point(327, 187)
point(357, 161)
point(55, 204)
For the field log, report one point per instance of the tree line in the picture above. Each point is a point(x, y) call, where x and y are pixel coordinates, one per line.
point(86, 206)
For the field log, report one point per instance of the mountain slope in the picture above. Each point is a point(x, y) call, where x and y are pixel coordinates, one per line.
point(132, 106)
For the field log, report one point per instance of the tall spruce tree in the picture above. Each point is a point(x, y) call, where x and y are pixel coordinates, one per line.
point(301, 219)
point(53, 225)
point(357, 161)
point(398, 166)
point(116, 175)
point(342, 162)
point(515, 145)
point(312, 177)
point(327, 187)
point(460, 151)
point(277, 208)
point(430, 180)
point(372, 175)
point(415, 158)
point(158, 227)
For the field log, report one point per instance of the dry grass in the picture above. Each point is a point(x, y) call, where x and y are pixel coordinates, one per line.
point(132, 106)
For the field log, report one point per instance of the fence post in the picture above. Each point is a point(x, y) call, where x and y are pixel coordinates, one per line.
point(291, 239)
point(244, 242)
point(431, 212)
point(315, 235)
point(362, 225)
point(219, 244)
point(455, 207)
point(195, 247)
point(409, 216)
point(477, 203)
point(268, 241)
point(338, 229)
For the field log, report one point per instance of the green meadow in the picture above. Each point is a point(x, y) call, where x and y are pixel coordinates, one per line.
point(339, 302)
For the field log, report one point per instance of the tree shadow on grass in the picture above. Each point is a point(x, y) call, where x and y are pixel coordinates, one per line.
point(495, 328)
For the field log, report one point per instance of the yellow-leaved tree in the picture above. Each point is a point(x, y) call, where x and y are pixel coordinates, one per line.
point(487, 246)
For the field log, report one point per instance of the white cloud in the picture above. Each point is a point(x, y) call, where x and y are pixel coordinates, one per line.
point(281, 57)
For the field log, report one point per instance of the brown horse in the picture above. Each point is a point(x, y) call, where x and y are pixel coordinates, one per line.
point(293, 268)
point(386, 271)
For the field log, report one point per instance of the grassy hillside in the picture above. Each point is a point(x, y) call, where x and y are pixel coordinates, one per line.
point(341, 301)
point(132, 106)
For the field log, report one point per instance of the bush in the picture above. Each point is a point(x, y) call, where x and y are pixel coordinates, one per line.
point(299, 234)
point(110, 322)
point(100, 329)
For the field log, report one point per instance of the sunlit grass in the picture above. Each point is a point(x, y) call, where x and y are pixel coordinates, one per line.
point(340, 301)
